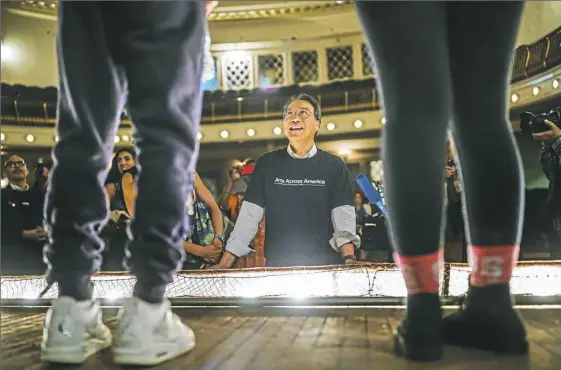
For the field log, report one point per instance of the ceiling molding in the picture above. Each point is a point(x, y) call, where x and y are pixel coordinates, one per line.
point(275, 9)
point(347, 38)
point(245, 10)
point(34, 13)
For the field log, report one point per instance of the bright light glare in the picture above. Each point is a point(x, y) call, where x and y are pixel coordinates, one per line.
point(532, 280)
point(9, 53)
point(277, 131)
point(31, 294)
point(295, 283)
point(330, 126)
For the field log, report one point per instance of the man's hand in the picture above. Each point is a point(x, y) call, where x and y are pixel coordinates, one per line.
point(211, 253)
point(226, 262)
point(34, 234)
point(348, 250)
point(450, 171)
point(548, 136)
point(351, 262)
point(217, 242)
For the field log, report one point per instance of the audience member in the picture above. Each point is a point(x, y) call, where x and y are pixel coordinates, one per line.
point(23, 235)
point(303, 193)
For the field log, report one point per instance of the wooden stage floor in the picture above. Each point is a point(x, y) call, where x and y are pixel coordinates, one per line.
point(292, 339)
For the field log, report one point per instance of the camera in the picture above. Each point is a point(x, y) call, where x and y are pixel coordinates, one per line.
point(533, 124)
point(247, 169)
point(39, 177)
point(244, 169)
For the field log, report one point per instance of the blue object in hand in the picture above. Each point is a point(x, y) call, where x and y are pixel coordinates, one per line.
point(370, 192)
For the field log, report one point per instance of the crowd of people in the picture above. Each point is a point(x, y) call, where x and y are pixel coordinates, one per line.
point(212, 218)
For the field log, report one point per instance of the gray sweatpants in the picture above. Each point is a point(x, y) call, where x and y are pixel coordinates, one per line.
point(151, 54)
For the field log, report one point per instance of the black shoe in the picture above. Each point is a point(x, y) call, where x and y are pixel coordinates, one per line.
point(487, 321)
point(419, 337)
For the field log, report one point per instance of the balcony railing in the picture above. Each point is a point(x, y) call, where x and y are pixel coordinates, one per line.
point(37, 106)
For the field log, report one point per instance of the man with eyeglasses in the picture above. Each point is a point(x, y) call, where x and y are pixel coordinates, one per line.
point(305, 195)
point(22, 223)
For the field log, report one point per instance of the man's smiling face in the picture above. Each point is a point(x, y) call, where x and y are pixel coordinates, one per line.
point(299, 122)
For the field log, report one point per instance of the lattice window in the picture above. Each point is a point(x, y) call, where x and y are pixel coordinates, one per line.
point(366, 61)
point(237, 71)
point(271, 70)
point(305, 66)
point(340, 63)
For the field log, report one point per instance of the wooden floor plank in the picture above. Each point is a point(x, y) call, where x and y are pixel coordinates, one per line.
point(288, 339)
point(216, 331)
point(249, 350)
point(217, 356)
point(274, 352)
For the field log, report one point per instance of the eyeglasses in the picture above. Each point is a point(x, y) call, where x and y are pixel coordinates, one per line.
point(301, 114)
point(14, 164)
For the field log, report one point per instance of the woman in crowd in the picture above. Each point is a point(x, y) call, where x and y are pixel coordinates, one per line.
point(119, 186)
point(205, 243)
point(362, 210)
point(208, 229)
point(231, 201)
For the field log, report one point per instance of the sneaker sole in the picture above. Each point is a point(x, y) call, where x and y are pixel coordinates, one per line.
point(75, 355)
point(136, 357)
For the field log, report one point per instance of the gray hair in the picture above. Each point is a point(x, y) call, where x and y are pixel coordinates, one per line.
point(310, 99)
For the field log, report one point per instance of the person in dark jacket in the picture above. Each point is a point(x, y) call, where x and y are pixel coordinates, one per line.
point(23, 235)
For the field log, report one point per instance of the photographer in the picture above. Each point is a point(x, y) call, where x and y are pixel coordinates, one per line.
point(22, 230)
point(455, 241)
point(550, 160)
point(235, 184)
point(41, 177)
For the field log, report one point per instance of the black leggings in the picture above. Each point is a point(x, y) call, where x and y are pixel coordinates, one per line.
point(442, 63)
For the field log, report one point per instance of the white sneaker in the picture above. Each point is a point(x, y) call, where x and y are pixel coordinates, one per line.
point(150, 334)
point(73, 331)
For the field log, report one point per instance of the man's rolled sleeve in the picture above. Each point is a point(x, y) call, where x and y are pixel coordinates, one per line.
point(245, 229)
point(344, 227)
